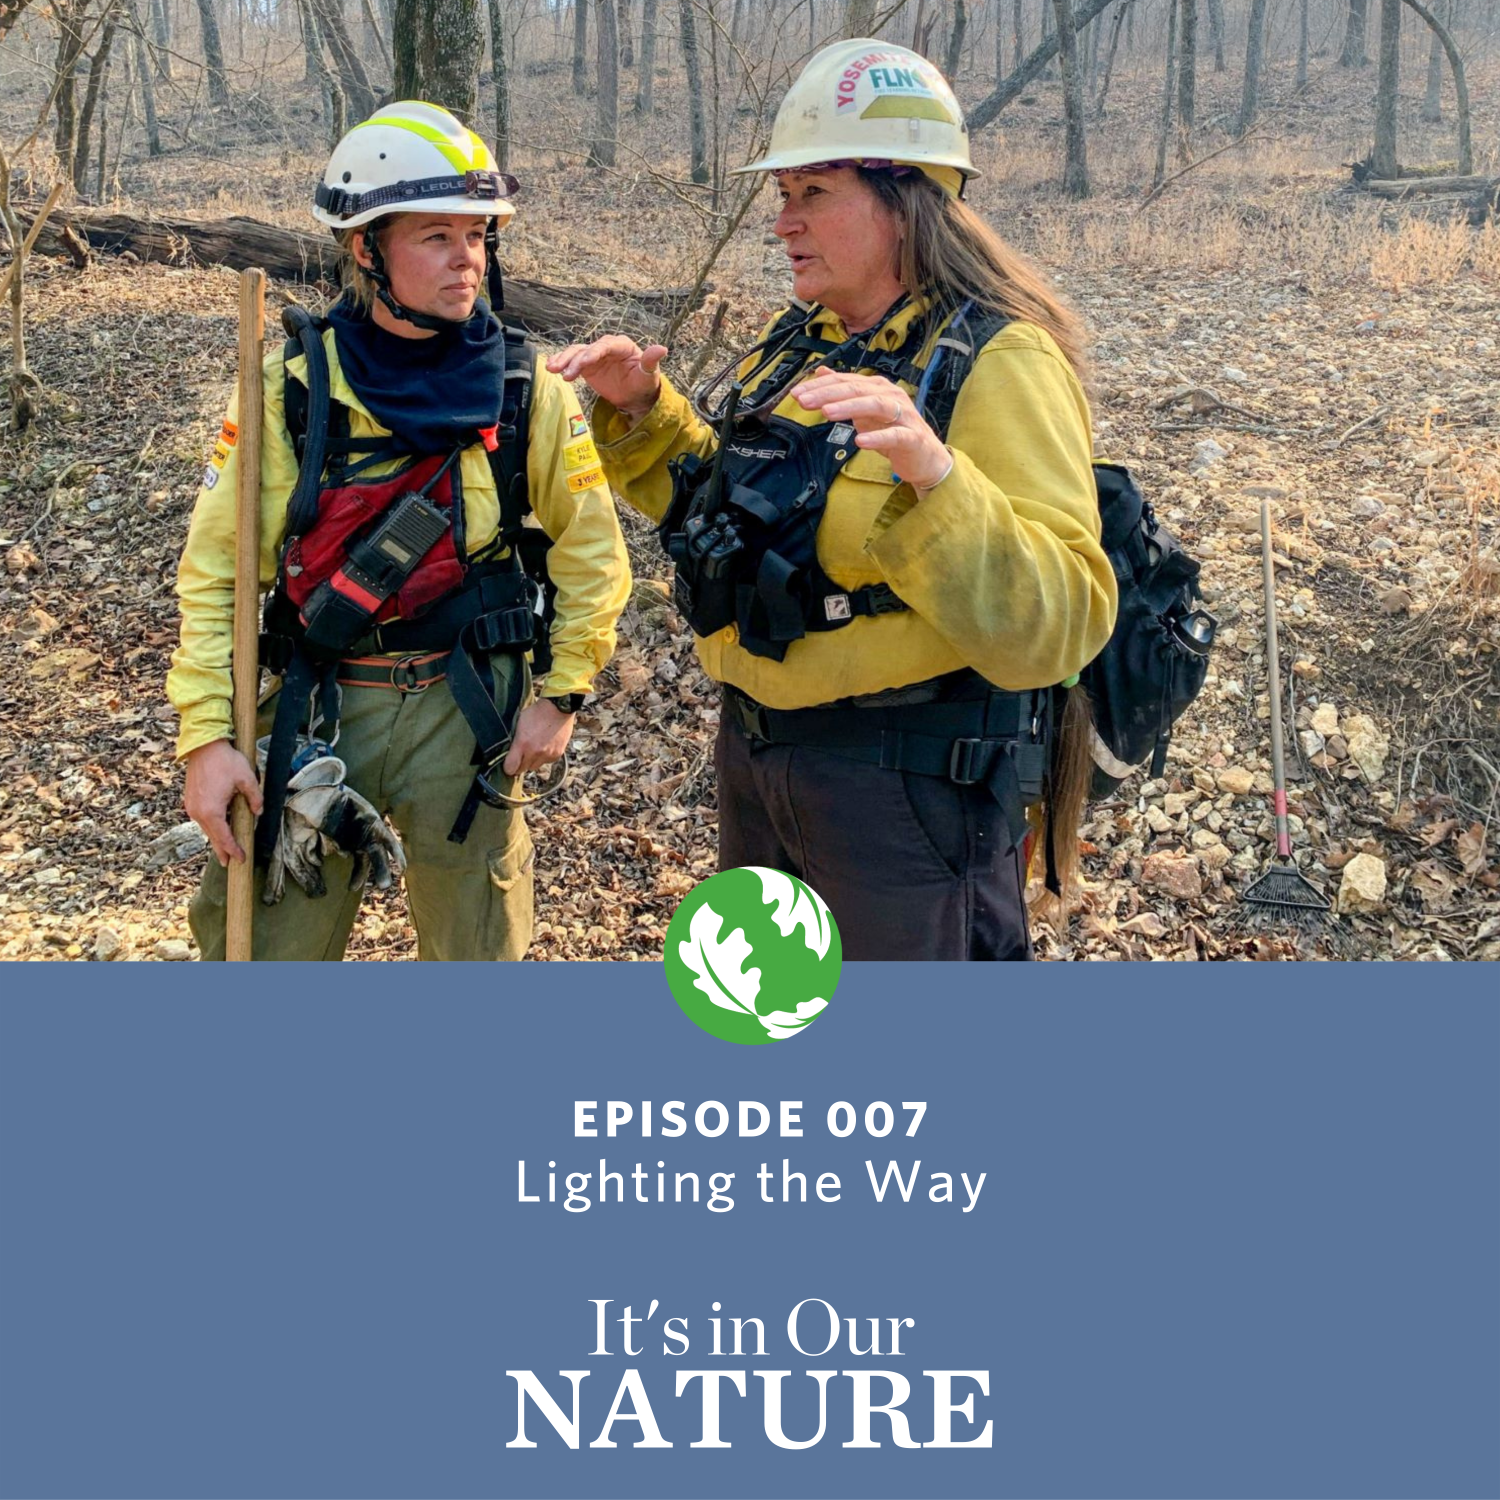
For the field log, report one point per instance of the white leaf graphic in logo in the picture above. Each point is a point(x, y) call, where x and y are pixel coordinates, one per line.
point(797, 906)
point(784, 1023)
point(720, 965)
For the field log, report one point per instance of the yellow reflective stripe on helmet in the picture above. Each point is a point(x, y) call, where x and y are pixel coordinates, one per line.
point(455, 156)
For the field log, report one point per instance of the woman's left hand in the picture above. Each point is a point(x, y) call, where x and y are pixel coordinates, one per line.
point(884, 418)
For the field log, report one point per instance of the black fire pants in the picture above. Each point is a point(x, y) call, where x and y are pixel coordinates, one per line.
point(912, 867)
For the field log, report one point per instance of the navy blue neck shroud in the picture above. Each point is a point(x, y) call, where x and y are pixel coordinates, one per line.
point(435, 393)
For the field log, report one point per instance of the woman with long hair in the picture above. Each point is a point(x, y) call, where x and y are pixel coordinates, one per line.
point(885, 529)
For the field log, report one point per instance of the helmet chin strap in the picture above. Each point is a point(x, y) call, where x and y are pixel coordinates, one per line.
point(377, 273)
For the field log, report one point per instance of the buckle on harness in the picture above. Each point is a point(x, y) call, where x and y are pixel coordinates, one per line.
point(966, 762)
point(504, 629)
point(404, 675)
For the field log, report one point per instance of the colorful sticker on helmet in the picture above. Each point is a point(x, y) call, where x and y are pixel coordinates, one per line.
point(585, 479)
point(577, 455)
point(578, 425)
point(902, 90)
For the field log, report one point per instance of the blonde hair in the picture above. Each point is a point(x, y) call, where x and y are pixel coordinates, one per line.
point(949, 254)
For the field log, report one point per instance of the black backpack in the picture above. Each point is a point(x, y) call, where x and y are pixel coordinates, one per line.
point(1154, 664)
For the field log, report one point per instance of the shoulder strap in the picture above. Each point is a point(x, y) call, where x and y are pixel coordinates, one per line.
point(513, 433)
point(953, 355)
point(306, 415)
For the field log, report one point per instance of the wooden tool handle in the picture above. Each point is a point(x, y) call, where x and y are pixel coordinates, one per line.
point(240, 912)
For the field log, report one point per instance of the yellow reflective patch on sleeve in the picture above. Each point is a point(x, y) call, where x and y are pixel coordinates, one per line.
point(585, 479)
point(576, 455)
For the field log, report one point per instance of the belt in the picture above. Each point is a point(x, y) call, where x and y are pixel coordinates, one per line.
point(999, 741)
point(405, 674)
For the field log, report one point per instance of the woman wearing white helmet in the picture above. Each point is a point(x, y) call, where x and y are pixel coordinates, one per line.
point(406, 437)
point(884, 525)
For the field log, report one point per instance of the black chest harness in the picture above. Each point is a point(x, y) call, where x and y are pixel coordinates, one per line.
point(376, 566)
point(742, 530)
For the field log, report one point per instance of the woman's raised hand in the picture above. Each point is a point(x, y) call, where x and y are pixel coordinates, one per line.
point(884, 418)
point(617, 368)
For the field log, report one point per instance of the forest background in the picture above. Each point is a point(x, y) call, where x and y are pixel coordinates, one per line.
point(1276, 216)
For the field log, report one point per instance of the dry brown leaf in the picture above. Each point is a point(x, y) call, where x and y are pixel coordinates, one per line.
point(1470, 848)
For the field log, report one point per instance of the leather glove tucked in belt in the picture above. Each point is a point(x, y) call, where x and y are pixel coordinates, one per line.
point(322, 816)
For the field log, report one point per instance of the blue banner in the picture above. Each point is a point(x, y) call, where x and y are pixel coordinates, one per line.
point(1060, 1231)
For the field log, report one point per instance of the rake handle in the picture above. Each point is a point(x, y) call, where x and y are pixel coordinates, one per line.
point(1273, 672)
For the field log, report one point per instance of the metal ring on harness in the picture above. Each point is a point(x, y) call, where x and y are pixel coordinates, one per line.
point(557, 775)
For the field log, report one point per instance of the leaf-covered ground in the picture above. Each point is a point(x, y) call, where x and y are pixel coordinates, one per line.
point(1333, 359)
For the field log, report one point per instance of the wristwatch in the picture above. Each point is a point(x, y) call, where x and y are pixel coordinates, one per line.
point(567, 703)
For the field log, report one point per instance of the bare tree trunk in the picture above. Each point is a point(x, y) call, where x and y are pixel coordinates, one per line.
point(334, 113)
point(148, 85)
point(688, 26)
point(1187, 74)
point(1254, 52)
point(1460, 84)
point(1076, 167)
point(1017, 33)
point(1302, 44)
point(356, 82)
point(436, 45)
point(70, 21)
point(1383, 157)
point(859, 17)
point(580, 45)
point(98, 73)
point(1109, 58)
point(1432, 97)
point(956, 39)
point(627, 38)
point(1353, 55)
point(161, 30)
point(373, 22)
point(607, 100)
point(1216, 32)
point(213, 55)
point(1168, 97)
point(500, 72)
point(645, 83)
point(313, 69)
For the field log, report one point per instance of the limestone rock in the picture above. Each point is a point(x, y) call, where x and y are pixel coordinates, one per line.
point(107, 944)
point(175, 845)
point(1368, 747)
point(1237, 780)
point(1325, 719)
point(172, 950)
point(1176, 874)
point(1362, 886)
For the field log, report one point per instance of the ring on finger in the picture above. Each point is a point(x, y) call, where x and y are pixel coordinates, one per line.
point(895, 412)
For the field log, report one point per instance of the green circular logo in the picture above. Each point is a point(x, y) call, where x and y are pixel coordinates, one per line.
point(753, 955)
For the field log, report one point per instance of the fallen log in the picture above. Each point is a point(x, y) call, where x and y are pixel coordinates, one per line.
point(571, 312)
point(1411, 187)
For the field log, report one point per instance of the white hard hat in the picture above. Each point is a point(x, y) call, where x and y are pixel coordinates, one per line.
point(872, 103)
point(406, 158)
